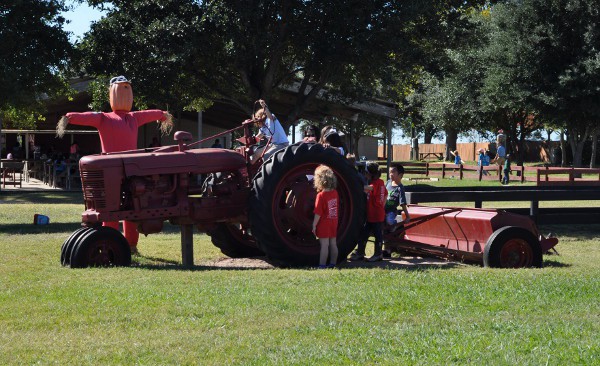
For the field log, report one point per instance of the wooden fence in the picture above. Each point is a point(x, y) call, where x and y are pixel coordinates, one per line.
point(534, 151)
point(542, 176)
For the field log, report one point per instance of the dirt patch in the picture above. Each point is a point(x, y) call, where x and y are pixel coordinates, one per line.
point(394, 263)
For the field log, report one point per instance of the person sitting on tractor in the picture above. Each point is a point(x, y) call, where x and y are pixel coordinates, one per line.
point(269, 126)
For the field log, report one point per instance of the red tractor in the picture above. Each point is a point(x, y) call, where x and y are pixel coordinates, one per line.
point(248, 207)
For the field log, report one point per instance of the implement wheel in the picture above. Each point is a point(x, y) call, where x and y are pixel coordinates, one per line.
point(283, 199)
point(233, 242)
point(512, 247)
point(102, 247)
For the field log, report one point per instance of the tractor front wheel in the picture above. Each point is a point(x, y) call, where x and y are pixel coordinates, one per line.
point(67, 247)
point(512, 247)
point(283, 198)
point(102, 247)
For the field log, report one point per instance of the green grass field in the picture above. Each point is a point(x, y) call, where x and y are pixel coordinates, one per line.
point(158, 312)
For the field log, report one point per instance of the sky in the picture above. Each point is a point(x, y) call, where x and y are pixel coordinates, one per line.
point(80, 19)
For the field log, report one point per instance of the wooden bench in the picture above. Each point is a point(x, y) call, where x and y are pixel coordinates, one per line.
point(10, 170)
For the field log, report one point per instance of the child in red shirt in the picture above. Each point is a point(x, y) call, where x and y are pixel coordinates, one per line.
point(377, 195)
point(325, 222)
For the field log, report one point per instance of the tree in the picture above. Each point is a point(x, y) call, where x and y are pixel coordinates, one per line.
point(34, 49)
point(545, 62)
point(240, 51)
point(443, 94)
point(364, 125)
point(147, 41)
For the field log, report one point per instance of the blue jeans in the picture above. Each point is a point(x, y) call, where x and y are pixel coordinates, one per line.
point(506, 177)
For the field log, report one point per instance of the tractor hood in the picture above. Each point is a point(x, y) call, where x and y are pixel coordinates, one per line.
point(141, 163)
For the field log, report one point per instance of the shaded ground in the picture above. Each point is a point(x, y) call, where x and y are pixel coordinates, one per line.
point(394, 263)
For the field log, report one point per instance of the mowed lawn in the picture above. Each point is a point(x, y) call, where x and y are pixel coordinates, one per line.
point(157, 312)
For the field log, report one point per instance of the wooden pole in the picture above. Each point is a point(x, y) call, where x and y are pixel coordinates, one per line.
point(187, 245)
point(389, 144)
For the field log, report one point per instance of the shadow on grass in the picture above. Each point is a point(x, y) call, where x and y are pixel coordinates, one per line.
point(239, 264)
point(405, 263)
point(60, 227)
point(39, 229)
point(579, 231)
point(41, 197)
point(555, 264)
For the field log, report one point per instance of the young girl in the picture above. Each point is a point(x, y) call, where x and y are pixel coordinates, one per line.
point(326, 215)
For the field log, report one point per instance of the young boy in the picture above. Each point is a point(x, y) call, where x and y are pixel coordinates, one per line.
point(376, 196)
point(506, 170)
point(396, 197)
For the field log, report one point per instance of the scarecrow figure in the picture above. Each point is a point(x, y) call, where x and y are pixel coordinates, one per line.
point(119, 132)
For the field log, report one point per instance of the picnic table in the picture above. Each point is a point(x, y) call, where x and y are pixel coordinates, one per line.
point(10, 170)
point(426, 155)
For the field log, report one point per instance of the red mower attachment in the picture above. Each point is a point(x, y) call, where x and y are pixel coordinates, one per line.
point(493, 237)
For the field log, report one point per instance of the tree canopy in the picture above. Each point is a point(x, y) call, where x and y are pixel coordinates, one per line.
point(239, 51)
point(34, 48)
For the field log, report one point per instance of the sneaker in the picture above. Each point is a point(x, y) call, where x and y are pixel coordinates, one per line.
point(356, 256)
point(386, 254)
point(375, 258)
point(331, 265)
point(322, 266)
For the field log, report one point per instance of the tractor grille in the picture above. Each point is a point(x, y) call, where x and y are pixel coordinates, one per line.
point(93, 189)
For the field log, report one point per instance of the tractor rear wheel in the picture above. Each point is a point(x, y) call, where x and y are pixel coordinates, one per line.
point(512, 247)
point(282, 203)
point(67, 247)
point(233, 242)
point(102, 247)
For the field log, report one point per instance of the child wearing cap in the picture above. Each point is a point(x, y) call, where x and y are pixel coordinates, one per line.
point(457, 158)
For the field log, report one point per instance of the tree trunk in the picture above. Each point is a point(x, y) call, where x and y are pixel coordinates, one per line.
point(594, 148)
point(428, 135)
point(577, 143)
point(1, 136)
point(563, 149)
point(451, 138)
point(356, 151)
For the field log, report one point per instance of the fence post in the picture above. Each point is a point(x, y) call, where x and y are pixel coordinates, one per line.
point(522, 173)
point(480, 172)
point(443, 170)
point(460, 172)
point(572, 175)
point(499, 171)
point(547, 170)
point(534, 210)
point(427, 169)
point(537, 173)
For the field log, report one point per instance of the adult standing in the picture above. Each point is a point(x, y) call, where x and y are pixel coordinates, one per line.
point(501, 150)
